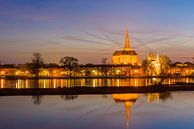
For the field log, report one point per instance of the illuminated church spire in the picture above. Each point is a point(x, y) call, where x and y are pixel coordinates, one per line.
point(127, 42)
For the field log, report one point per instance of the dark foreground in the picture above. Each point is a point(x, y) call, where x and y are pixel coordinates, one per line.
point(94, 90)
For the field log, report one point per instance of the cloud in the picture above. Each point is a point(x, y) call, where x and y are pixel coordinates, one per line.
point(84, 40)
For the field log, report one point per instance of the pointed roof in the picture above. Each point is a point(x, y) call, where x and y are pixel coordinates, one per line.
point(127, 42)
point(157, 58)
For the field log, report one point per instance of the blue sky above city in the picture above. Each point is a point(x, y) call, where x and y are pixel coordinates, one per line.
point(93, 29)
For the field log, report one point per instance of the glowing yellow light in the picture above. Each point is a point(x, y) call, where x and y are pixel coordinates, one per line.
point(136, 82)
point(118, 71)
point(187, 80)
point(54, 83)
point(62, 83)
point(16, 73)
point(94, 82)
point(2, 72)
point(44, 83)
point(118, 82)
point(19, 84)
point(169, 81)
point(26, 83)
point(94, 72)
point(2, 83)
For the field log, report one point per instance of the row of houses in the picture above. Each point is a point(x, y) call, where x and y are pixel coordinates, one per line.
point(181, 69)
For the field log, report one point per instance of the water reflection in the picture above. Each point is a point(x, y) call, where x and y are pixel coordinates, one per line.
point(36, 97)
point(89, 82)
point(69, 97)
point(128, 100)
point(149, 110)
point(155, 97)
point(2, 83)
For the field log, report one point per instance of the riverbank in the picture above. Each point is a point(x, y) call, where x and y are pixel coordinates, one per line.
point(95, 90)
point(95, 77)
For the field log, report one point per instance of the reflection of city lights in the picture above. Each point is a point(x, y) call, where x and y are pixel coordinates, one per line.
point(187, 80)
point(61, 83)
point(19, 84)
point(54, 83)
point(146, 82)
point(108, 82)
point(83, 83)
point(44, 83)
point(136, 82)
point(26, 83)
point(118, 82)
point(2, 83)
point(169, 81)
point(94, 82)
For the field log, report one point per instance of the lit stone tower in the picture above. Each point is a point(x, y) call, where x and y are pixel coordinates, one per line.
point(127, 55)
point(127, 42)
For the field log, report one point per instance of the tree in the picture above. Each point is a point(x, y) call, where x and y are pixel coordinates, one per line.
point(145, 65)
point(37, 63)
point(165, 63)
point(69, 63)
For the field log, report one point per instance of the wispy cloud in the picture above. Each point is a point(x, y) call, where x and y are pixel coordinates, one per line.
point(84, 40)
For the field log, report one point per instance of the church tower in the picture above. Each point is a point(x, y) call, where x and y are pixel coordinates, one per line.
point(127, 56)
point(127, 42)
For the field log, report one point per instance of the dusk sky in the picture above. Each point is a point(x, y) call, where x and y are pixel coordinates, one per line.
point(93, 29)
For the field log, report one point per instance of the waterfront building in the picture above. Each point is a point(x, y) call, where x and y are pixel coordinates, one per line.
point(154, 63)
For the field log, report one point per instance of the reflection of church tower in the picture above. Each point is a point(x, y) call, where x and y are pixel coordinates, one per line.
point(128, 100)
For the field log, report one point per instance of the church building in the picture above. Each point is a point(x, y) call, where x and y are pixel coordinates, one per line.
point(127, 56)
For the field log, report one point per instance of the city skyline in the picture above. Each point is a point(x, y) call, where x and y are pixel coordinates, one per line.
point(92, 30)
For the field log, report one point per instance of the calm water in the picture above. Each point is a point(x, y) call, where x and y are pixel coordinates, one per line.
point(54, 83)
point(117, 111)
